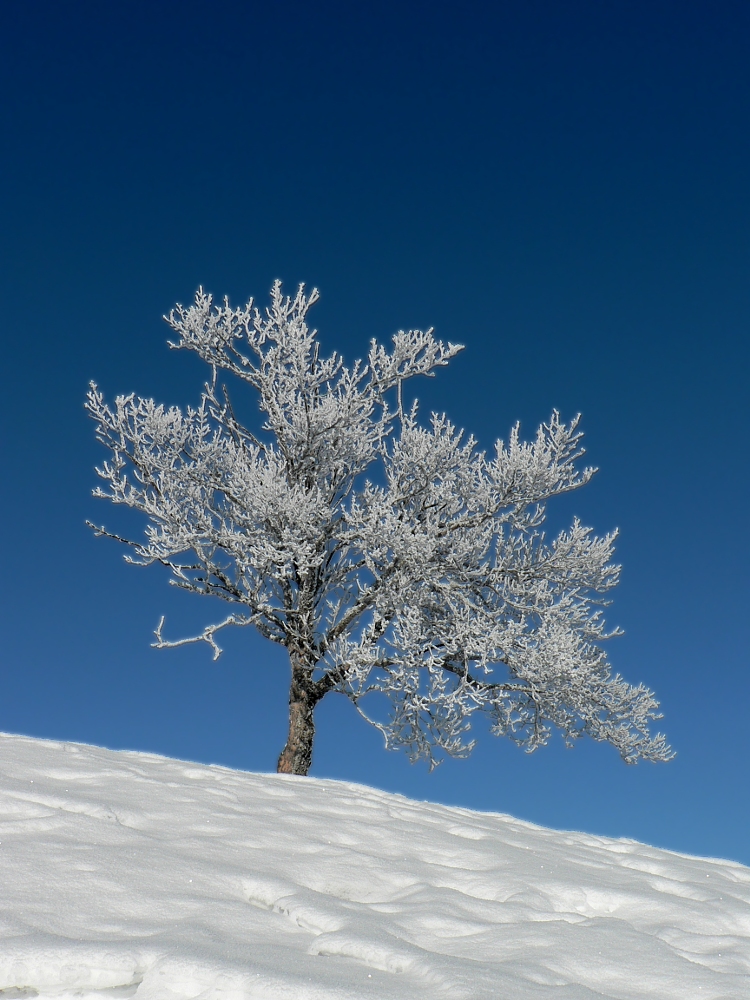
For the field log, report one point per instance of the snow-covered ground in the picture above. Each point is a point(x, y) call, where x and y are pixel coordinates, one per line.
point(127, 874)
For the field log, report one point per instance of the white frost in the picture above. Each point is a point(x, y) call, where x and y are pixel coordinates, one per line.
point(430, 582)
point(128, 874)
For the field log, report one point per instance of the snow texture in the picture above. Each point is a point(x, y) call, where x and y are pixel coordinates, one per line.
point(133, 875)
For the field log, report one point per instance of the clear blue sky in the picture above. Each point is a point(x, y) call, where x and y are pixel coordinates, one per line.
point(561, 187)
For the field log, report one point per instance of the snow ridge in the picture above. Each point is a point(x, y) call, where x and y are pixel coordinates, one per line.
point(133, 875)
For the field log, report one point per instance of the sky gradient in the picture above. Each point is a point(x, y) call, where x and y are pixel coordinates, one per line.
point(561, 188)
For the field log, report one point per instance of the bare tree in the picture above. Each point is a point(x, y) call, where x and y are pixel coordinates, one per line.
point(430, 583)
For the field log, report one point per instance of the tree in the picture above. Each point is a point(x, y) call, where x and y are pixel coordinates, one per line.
point(430, 583)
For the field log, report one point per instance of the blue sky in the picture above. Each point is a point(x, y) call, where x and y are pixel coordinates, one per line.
point(560, 187)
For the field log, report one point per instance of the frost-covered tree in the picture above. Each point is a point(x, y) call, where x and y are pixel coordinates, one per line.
point(388, 557)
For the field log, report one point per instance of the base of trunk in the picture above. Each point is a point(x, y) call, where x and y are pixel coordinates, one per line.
point(296, 757)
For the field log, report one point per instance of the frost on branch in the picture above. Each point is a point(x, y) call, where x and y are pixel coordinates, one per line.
point(393, 560)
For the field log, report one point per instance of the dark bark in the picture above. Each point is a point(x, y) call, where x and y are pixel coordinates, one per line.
point(296, 756)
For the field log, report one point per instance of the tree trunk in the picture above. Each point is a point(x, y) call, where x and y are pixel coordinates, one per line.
point(296, 756)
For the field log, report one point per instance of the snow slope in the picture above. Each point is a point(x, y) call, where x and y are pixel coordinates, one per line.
point(132, 875)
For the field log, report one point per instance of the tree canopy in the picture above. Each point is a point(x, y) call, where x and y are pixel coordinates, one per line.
point(389, 557)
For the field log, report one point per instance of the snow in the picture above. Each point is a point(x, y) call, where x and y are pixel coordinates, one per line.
point(133, 875)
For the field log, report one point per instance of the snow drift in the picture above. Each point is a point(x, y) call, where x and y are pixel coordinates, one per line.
point(132, 875)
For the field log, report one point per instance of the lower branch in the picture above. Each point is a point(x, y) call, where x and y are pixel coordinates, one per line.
point(207, 635)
